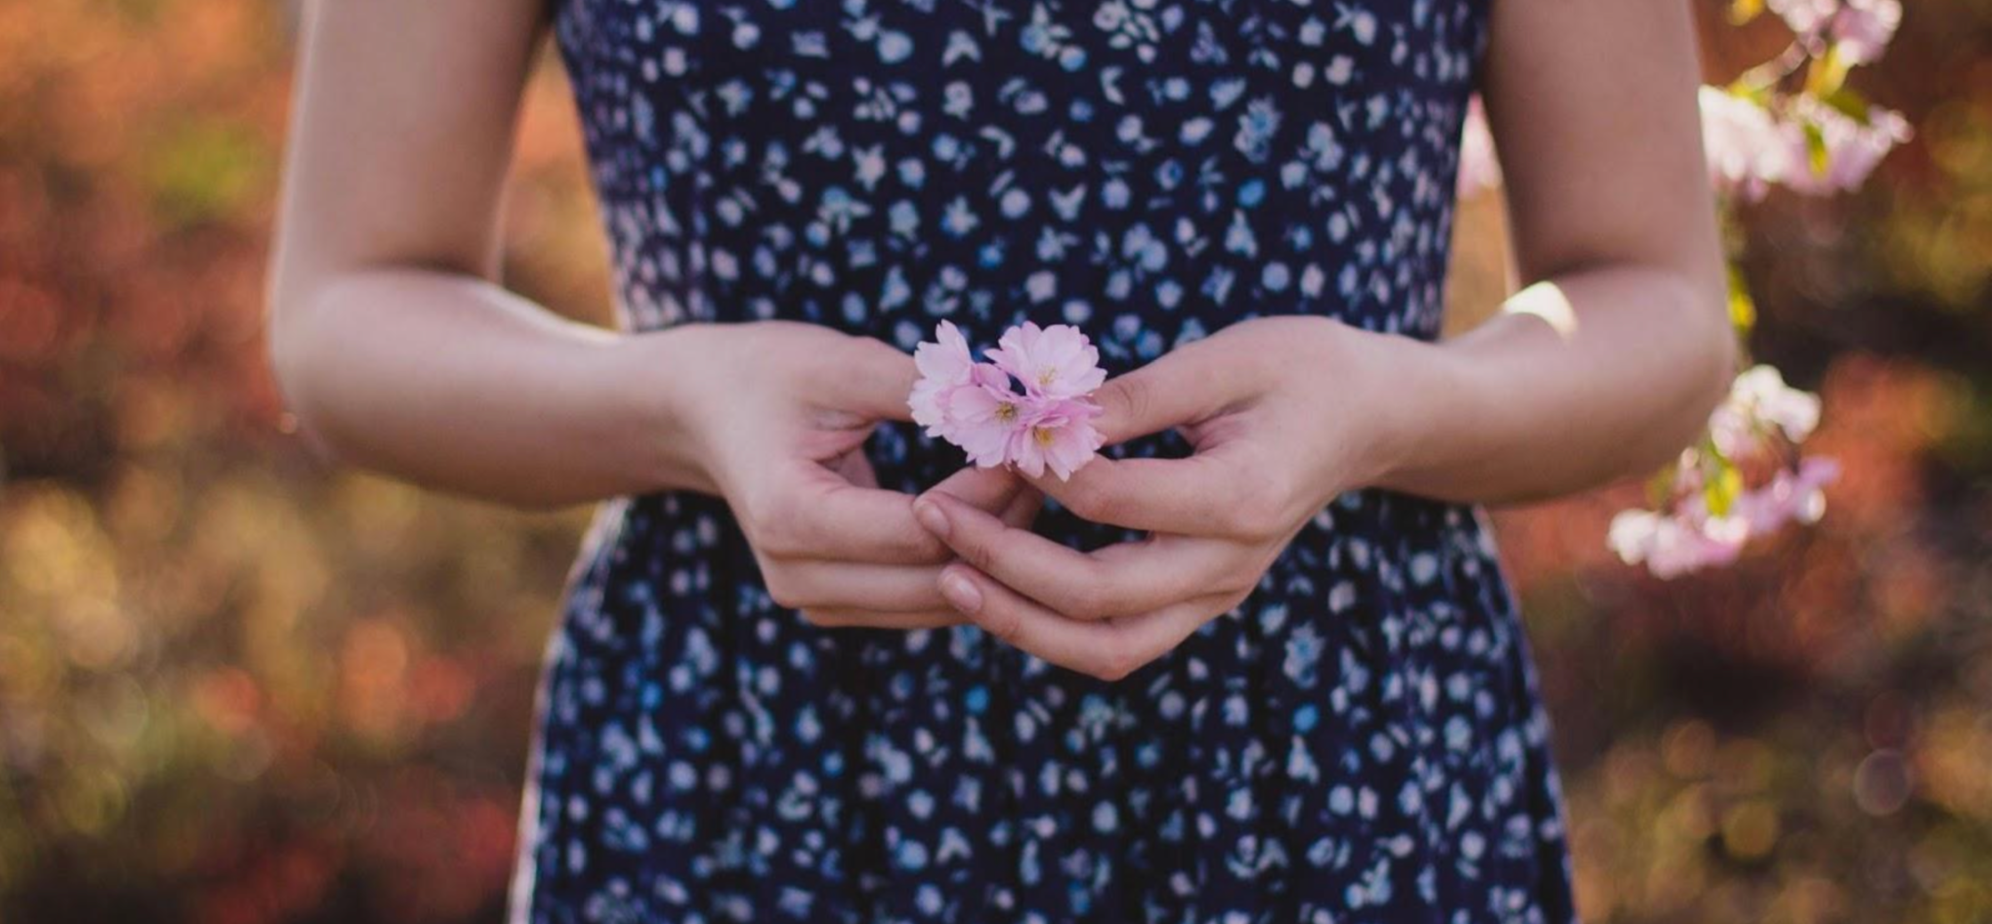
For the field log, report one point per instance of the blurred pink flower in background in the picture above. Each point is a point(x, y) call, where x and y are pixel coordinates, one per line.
point(1671, 546)
point(1746, 150)
point(1759, 399)
point(1805, 17)
point(1756, 427)
point(1851, 149)
point(1863, 29)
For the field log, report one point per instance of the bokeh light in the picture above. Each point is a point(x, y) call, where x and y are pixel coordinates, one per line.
point(239, 686)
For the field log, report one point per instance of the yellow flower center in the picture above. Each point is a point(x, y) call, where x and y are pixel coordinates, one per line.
point(1006, 412)
point(1044, 378)
point(1043, 435)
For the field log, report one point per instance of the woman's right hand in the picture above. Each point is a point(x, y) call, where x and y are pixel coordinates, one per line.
point(773, 417)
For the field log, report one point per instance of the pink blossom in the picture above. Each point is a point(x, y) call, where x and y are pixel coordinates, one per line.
point(1804, 17)
point(1750, 148)
point(1056, 361)
point(1760, 400)
point(1790, 497)
point(977, 407)
point(1690, 538)
point(1058, 435)
point(1853, 149)
point(1670, 546)
point(943, 366)
point(1863, 29)
point(1745, 146)
point(985, 416)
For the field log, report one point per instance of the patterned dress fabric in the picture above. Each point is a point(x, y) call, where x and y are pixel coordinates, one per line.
point(1361, 741)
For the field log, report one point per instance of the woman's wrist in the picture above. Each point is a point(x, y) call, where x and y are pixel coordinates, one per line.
point(1416, 394)
point(647, 378)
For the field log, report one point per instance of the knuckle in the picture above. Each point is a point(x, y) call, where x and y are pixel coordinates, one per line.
point(782, 589)
point(1133, 397)
point(1006, 624)
point(980, 553)
point(921, 549)
point(769, 527)
point(1093, 501)
point(1255, 510)
point(1089, 600)
point(826, 619)
point(1238, 588)
point(1115, 664)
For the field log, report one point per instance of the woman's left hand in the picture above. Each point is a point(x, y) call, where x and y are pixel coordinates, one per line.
point(1284, 413)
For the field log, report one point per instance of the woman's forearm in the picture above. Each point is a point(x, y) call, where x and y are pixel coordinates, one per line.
point(450, 381)
point(1585, 378)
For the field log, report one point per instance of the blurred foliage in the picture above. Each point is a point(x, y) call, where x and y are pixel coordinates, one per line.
point(238, 686)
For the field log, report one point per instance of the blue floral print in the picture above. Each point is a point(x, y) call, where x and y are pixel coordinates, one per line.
point(1361, 741)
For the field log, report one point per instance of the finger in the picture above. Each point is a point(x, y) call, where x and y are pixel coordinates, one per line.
point(1119, 580)
point(1109, 650)
point(990, 489)
point(1023, 509)
point(866, 619)
point(822, 516)
point(874, 379)
point(856, 467)
point(1211, 493)
point(818, 515)
point(1186, 385)
point(808, 585)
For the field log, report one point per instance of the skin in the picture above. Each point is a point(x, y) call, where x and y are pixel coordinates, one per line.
point(1604, 365)
point(399, 351)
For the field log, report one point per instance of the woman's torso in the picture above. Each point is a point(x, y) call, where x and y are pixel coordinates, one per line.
point(1359, 741)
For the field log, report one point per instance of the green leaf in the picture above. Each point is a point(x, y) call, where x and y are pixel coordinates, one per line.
point(1660, 488)
point(1815, 148)
point(1722, 490)
point(1849, 103)
point(1742, 307)
point(1827, 74)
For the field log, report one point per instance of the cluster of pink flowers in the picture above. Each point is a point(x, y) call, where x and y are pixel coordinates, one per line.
point(976, 405)
point(1793, 122)
point(1757, 138)
point(1814, 149)
point(1859, 30)
point(1761, 419)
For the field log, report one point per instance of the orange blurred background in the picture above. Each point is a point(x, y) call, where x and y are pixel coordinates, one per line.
point(237, 686)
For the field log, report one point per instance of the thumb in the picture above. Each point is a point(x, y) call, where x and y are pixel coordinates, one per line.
point(1181, 387)
point(992, 489)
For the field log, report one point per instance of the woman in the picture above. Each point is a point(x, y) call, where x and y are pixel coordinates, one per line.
point(1258, 663)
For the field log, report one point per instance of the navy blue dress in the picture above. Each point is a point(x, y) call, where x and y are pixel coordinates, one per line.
point(1360, 741)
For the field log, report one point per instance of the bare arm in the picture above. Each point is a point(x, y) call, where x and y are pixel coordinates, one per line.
point(391, 341)
point(1609, 360)
point(400, 353)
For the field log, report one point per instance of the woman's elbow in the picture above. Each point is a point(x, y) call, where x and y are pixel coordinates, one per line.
point(1712, 352)
point(288, 306)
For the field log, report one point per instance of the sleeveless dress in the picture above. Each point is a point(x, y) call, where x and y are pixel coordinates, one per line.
point(1360, 741)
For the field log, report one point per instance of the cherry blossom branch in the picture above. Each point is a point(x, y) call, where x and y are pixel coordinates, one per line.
point(1748, 476)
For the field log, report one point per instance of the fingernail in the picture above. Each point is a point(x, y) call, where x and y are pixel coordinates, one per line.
point(932, 517)
point(961, 593)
